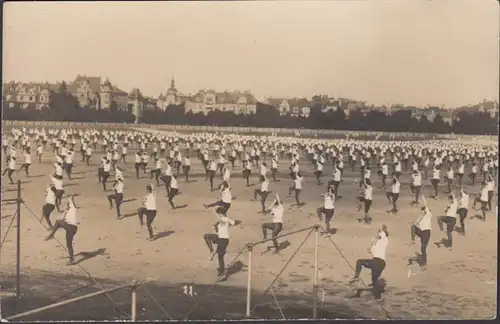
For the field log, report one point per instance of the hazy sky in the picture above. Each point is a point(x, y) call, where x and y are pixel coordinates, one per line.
point(413, 52)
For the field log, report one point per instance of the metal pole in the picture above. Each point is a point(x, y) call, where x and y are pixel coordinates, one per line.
point(66, 302)
point(249, 280)
point(134, 304)
point(315, 283)
point(18, 256)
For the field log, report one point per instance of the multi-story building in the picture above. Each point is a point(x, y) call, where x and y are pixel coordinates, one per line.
point(291, 106)
point(90, 92)
point(25, 94)
point(206, 101)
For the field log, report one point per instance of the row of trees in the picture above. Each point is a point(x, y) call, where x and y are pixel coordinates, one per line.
point(64, 107)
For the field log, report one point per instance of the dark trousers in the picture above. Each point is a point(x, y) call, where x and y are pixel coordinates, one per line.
point(47, 209)
point(118, 198)
point(462, 214)
point(70, 235)
point(9, 173)
point(172, 193)
point(276, 228)
point(59, 194)
point(26, 167)
point(156, 174)
point(425, 236)
point(150, 216)
point(69, 169)
point(297, 194)
point(222, 244)
point(450, 225)
point(222, 204)
point(263, 197)
point(328, 216)
point(167, 180)
point(376, 265)
point(186, 169)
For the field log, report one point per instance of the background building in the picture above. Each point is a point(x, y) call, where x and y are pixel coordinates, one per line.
point(206, 101)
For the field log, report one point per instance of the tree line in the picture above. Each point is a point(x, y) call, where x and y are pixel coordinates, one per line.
point(64, 107)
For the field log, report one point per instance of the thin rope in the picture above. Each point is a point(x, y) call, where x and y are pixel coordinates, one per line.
point(278, 304)
point(82, 267)
point(353, 269)
point(284, 267)
point(156, 302)
point(8, 229)
point(213, 285)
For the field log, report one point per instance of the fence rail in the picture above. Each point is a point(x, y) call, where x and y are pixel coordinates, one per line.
point(240, 130)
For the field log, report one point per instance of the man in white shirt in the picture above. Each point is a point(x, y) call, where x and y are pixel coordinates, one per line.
point(10, 169)
point(27, 162)
point(68, 162)
point(296, 187)
point(450, 219)
point(263, 192)
point(274, 167)
point(416, 186)
point(365, 199)
point(221, 239)
point(377, 263)
point(328, 209)
point(186, 167)
point(117, 196)
point(276, 226)
point(482, 198)
point(393, 195)
point(138, 163)
point(156, 171)
point(106, 169)
point(70, 223)
point(50, 204)
point(319, 172)
point(174, 191)
point(463, 209)
point(473, 173)
point(422, 229)
point(148, 209)
point(226, 198)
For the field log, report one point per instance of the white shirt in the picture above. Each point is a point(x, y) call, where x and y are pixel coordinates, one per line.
point(173, 183)
point(417, 180)
point(385, 169)
point(395, 187)
point(69, 158)
point(50, 197)
point(107, 167)
point(150, 201)
point(226, 195)
point(274, 164)
point(380, 247)
point(58, 183)
point(464, 201)
point(223, 226)
point(329, 202)
point(168, 170)
point(484, 194)
point(337, 175)
point(425, 221)
point(12, 164)
point(187, 161)
point(368, 193)
point(27, 158)
point(119, 187)
point(70, 215)
point(451, 210)
point(490, 185)
point(277, 213)
point(435, 174)
point(264, 186)
point(449, 174)
point(297, 182)
point(461, 169)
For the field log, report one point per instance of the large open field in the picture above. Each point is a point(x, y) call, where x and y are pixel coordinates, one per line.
point(458, 283)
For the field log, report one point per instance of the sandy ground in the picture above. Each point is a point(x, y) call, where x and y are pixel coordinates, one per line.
point(458, 284)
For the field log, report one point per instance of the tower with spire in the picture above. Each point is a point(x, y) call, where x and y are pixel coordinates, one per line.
point(171, 95)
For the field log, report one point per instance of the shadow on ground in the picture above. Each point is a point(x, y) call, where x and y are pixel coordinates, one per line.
point(223, 301)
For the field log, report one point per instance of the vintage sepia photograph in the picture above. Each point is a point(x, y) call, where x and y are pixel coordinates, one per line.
point(249, 160)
